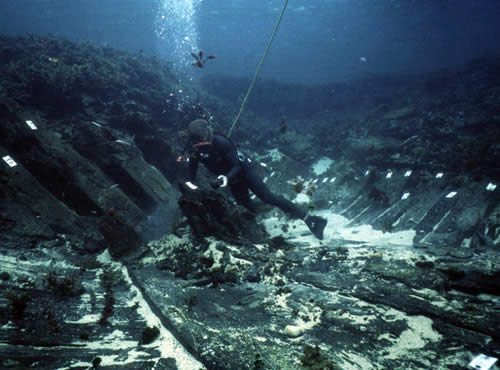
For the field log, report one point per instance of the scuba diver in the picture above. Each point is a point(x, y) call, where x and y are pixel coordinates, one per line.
point(218, 153)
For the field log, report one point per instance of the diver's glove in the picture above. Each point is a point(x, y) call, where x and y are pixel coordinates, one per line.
point(187, 186)
point(219, 182)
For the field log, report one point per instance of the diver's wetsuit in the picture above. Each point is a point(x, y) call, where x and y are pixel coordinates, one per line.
point(222, 158)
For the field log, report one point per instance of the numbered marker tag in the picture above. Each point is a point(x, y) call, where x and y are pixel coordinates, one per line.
point(482, 362)
point(333, 179)
point(325, 180)
point(7, 159)
point(31, 125)
point(439, 175)
point(452, 194)
point(389, 175)
point(191, 186)
point(405, 196)
point(491, 187)
point(408, 173)
point(367, 172)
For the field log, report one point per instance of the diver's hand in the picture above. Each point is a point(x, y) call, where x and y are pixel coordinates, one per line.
point(223, 180)
point(219, 182)
point(187, 186)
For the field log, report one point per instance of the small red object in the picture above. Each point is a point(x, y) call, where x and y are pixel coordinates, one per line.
point(110, 212)
point(199, 61)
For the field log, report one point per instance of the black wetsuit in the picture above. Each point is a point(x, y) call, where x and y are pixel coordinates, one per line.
point(222, 158)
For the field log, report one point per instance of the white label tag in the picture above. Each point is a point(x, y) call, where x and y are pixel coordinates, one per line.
point(367, 172)
point(325, 180)
point(452, 194)
point(191, 185)
point(408, 173)
point(491, 187)
point(439, 175)
point(389, 175)
point(9, 161)
point(333, 180)
point(482, 362)
point(405, 196)
point(31, 125)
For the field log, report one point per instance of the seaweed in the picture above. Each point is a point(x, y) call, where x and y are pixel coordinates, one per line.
point(56, 74)
point(191, 301)
point(66, 286)
point(378, 196)
point(109, 278)
point(313, 359)
point(298, 187)
point(18, 301)
point(387, 226)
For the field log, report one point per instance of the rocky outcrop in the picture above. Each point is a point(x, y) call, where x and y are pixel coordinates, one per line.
point(82, 176)
point(361, 304)
point(210, 213)
point(59, 310)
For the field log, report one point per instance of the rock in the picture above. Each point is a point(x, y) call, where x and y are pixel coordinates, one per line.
point(461, 253)
point(96, 362)
point(279, 254)
point(313, 359)
point(474, 281)
point(210, 213)
point(252, 275)
point(149, 335)
point(167, 364)
point(293, 331)
point(399, 113)
point(119, 237)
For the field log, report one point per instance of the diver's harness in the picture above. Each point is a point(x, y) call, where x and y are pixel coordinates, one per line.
point(241, 157)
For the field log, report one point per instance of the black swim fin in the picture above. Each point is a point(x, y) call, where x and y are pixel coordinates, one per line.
point(317, 225)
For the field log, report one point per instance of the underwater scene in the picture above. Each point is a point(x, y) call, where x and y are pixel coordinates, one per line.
point(237, 184)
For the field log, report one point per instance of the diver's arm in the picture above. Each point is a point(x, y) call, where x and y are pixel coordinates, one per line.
point(193, 167)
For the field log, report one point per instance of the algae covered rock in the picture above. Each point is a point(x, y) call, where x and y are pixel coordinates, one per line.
point(210, 213)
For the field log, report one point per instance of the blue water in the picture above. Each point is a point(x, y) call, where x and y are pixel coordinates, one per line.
point(318, 41)
point(326, 40)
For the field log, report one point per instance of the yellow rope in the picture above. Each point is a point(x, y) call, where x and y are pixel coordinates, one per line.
point(258, 69)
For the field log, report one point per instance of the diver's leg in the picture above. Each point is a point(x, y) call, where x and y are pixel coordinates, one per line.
point(260, 189)
point(241, 195)
point(315, 223)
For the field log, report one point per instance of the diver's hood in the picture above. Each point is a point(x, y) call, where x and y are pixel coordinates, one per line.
point(199, 131)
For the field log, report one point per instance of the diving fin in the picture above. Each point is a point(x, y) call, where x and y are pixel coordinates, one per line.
point(317, 225)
